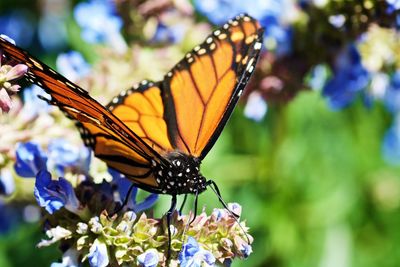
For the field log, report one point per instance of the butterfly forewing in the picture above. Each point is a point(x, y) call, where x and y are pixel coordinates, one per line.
point(202, 89)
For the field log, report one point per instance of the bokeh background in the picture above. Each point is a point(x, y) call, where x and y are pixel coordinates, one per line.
point(312, 152)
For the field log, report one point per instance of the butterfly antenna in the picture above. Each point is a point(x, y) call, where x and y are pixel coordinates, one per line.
point(127, 197)
point(169, 215)
point(215, 188)
point(183, 204)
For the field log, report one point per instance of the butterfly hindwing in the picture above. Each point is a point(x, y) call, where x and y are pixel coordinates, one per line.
point(201, 91)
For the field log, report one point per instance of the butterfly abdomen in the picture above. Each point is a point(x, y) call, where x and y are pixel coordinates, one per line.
point(180, 176)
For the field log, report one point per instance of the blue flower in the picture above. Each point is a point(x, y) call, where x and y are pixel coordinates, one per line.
point(72, 65)
point(123, 189)
point(19, 25)
point(104, 27)
point(149, 258)
point(391, 145)
point(392, 94)
point(219, 11)
point(9, 218)
point(318, 77)
point(192, 255)
point(393, 5)
point(98, 255)
point(69, 259)
point(256, 107)
point(169, 34)
point(7, 184)
point(349, 79)
point(277, 37)
point(33, 105)
point(246, 250)
point(30, 159)
point(63, 154)
point(54, 194)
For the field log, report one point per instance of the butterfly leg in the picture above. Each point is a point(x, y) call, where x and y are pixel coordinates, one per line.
point(127, 197)
point(169, 215)
point(195, 207)
point(183, 204)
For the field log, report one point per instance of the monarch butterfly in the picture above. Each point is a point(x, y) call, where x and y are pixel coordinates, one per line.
point(157, 133)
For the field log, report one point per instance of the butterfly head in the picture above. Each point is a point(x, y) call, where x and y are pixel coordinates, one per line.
point(181, 175)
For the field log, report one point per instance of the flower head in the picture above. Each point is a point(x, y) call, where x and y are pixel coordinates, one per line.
point(30, 159)
point(9, 74)
point(55, 194)
point(192, 255)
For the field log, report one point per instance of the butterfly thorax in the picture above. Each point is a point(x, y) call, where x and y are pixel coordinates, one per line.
point(181, 175)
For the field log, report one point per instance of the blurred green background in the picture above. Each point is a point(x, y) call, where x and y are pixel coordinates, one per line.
point(312, 182)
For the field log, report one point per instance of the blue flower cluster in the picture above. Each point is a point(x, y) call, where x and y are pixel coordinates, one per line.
point(32, 161)
point(277, 35)
point(104, 28)
point(192, 255)
point(350, 79)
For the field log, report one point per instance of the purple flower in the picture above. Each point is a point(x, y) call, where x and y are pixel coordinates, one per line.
point(149, 258)
point(30, 159)
point(7, 184)
point(72, 65)
point(98, 255)
point(54, 194)
point(123, 189)
point(349, 79)
point(63, 154)
point(192, 255)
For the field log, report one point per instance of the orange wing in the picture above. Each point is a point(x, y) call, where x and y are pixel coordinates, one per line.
point(142, 110)
point(201, 91)
point(111, 139)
